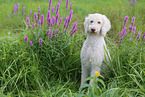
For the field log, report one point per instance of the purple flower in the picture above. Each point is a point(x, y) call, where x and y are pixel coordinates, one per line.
point(66, 22)
point(53, 9)
point(17, 6)
point(30, 12)
point(8, 16)
point(23, 10)
point(28, 21)
point(134, 1)
point(57, 8)
point(59, 1)
point(56, 18)
point(50, 2)
point(56, 31)
point(123, 32)
point(130, 2)
point(60, 20)
point(26, 39)
point(74, 29)
point(39, 9)
point(67, 2)
point(50, 35)
point(55, 36)
point(48, 19)
point(47, 32)
point(31, 44)
point(33, 25)
point(53, 20)
point(35, 16)
point(120, 42)
point(121, 37)
point(133, 29)
point(125, 20)
point(119, 33)
point(42, 18)
point(139, 34)
point(39, 22)
point(143, 37)
point(133, 20)
point(71, 5)
point(40, 42)
point(70, 15)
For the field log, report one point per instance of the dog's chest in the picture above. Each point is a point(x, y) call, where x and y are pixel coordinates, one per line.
point(93, 50)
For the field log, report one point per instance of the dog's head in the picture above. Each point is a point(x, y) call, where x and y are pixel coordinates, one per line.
point(96, 23)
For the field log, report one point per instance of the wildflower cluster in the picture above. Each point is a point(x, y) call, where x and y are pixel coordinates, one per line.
point(16, 8)
point(130, 31)
point(132, 1)
point(56, 24)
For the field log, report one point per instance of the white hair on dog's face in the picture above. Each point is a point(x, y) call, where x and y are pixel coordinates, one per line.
point(96, 23)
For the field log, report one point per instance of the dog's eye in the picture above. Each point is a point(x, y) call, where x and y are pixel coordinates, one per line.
point(91, 21)
point(99, 22)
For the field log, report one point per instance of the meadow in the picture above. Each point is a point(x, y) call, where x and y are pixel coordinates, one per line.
point(40, 48)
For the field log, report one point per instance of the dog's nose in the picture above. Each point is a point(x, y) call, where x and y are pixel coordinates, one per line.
point(93, 30)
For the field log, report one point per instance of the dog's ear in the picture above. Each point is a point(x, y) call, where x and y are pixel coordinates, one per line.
point(106, 25)
point(86, 23)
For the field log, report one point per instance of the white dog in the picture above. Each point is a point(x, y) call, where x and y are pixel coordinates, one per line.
point(93, 50)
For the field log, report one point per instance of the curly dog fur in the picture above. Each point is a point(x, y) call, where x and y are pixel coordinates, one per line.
point(93, 50)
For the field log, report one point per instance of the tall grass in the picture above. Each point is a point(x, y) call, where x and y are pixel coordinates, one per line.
point(53, 69)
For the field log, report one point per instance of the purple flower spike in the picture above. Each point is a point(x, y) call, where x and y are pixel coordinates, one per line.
point(143, 36)
point(8, 16)
point(125, 20)
point(134, 1)
point(23, 10)
point(57, 8)
point(17, 6)
point(66, 22)
point(120, 42)
point(39, 9)
point(39, 22)
point(50, 35)
point(35, 16)
point(130, 2)
point(133, 20)
point(50, 2)
point(40, 42)
point(48, 31)
point(31, 44)
point(56, 18)
point(30, 12)
point(56, 31)
point(53, 9)
point(70, 15)
point(67, 2)
point(133, 29)
point(28, 21)
point(74, 29)
point(71, 5)
point(42, 18)
point(123, 32)
point(60, 20)
point(59, 1)
point(26, 39)
point(49, 19)
point(53, 20)
point(33, 25)
point(139, 34)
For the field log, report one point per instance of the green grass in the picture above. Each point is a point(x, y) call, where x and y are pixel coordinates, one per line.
point(54, 69)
